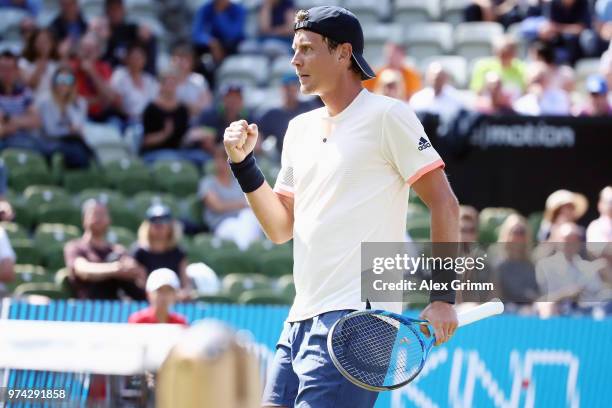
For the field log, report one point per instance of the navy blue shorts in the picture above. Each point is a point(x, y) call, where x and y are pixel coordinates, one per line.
point(302, 374)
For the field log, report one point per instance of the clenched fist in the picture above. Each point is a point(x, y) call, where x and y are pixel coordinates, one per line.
point(239, 140)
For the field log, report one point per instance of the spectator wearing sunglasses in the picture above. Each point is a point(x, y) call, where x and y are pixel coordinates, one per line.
point(63, 114)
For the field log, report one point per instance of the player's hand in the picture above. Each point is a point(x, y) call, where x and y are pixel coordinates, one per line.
point(443, 319)
point(239, 140)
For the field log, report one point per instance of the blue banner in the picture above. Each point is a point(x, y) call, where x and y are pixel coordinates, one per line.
point(505, 361)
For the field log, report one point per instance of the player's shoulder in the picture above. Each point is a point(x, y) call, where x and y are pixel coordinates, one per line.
point(381, 105)
point(308, 116)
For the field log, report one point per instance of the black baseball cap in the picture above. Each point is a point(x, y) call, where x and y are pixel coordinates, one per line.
point(340, 25)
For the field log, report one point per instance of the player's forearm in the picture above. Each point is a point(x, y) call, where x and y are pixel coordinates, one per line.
point(275, 218)
point(445, 219)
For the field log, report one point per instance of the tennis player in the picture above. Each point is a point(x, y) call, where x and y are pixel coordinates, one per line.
point(346, 170)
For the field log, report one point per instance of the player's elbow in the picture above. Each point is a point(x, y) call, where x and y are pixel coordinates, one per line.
point(279, 237)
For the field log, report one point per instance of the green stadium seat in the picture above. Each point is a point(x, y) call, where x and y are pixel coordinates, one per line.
point(75, 181)
point(121, 236)
point(262, 297)
point(21, 178)
point(62, 280)
point(50, 240)
point(60, 213)
point(276, 263)
point(191, 208)
point(235, 284)
point(419, 228)
point(14, 231)
point(230, 260)
point(210, 242)
point(23, 216)
point(176, 177)
point(26, 252)
point(489, 220)
point(286, 286)
point(216, 299)
point(26, 273)
point(143, 200)
point(129, 176)
point(534, 220)
point(27, 167)
point(37, 195)
point(46, 289)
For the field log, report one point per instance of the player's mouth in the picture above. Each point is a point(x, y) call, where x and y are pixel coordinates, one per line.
point(303, 76)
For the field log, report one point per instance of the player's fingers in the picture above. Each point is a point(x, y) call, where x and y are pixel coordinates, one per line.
point(252, 129)
point(440, 333)
point(425, 330)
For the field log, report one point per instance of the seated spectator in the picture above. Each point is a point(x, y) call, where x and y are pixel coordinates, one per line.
point(166, 122)
point(275, 121)
point(395, 59)
point(565, 275)
point(567, 82)
point(505, 12)
point(6, 209)
point(158, 246)
point(68, 26)
point(99, 269)
point(93, 80)
point(213, 121)
point(492, 99)
point(605, 69)
point(565, 21)
point(63, 114)
point(505, 63)
point(600, 230)
point(162, 287)
point(438, 97)
point(275, 19)
point(135, 87)
point(124, 33)
point(390, 83)
point(39, 62)
point(597, 103)
point(603, 24)
point(561, 207)
point(30, 6)
point(7, 262)
point(226, 210)
point(218, 28)
point(542, 97)
point(515, 270)
point(19, 120)
point(193, 89)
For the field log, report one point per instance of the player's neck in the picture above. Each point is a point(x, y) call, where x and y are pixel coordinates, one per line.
point(341, 97)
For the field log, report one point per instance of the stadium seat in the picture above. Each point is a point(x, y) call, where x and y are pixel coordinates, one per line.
point(26, 252)
point(191, 209)
point(473, 40)
point(376, 36)
point(23, 216)
point(229, 260)
point(534, 220)
point(455, 66)
point(121, 236)
point(223, 299)
point(408, 12)
point(145, 199)
point(27, 273)
point(452, 10)
point(48, 237)
point(285, 286)
point(281, 67)
point(276, 263)
point(367, 11)
point(47, 289)
point(522, 44)
point(75, 181)
point(428, 39)
point(26, 168)
point(106, 141)
point(262, 297)
point(249, 70)
point(59, 213)
point(235, 284)
point(212, 243)
point(14, 231)
point(418, 227)
point(176, 177)
point(62, 280)
point(489, 221)
point(129, 176)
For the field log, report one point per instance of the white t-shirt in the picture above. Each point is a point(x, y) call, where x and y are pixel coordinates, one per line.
point(192, 89)
point(552, 102)
point(447, 104)
point(44, 84)
point(6, 250)
point(350, 189)
point(134, 98)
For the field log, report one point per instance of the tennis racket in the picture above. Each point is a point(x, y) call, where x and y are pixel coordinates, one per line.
point(379, 350)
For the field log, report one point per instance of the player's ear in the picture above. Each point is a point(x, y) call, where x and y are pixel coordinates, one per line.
point(346, 50)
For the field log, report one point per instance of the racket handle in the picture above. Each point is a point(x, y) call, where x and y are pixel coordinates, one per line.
point(491, 308)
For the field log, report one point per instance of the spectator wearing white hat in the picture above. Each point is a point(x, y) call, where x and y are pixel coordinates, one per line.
point(561, 206)
point(600, 230)
point(162, 286)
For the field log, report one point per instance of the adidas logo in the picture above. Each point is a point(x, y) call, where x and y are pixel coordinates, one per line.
point(423, 143)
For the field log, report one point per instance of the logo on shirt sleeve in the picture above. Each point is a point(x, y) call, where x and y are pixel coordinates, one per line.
point(423, 143)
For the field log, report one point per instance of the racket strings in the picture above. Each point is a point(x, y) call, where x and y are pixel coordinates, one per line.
point(378, 350)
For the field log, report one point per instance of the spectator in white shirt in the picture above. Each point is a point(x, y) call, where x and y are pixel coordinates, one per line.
point(193, 89)
point(600, 230)
point(39, 62)
point(542, 97)
point(438, 97)
point(135, 86)
point(7, 262)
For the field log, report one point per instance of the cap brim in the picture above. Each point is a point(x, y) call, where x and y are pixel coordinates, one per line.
point(366, 71)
